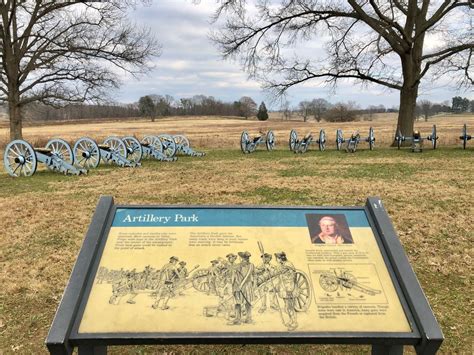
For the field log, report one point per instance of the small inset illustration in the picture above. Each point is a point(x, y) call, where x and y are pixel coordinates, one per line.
point(328, 229)
point(355, 283)
point(343, 281)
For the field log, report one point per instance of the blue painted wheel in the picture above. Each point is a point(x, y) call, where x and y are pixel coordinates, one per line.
point(154, 142)
point(86, 153)
point(61, 149)
point(20, 159)
point(181, 140)
point(270, 140)
point(371, 138)
point(169, 146)
point(134, 149)
point(322, 140)
point(244, 142)
point(339, 139)
point(292, 142)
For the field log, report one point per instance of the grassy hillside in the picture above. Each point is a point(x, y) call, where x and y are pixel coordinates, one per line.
point(428, 197)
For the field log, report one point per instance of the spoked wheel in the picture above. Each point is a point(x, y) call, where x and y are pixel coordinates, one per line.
point(181, 140)
point(169, 146)
point(201, 280)
point(134, 149)
point(328, 282)
point(303, 292)
point(399, 139)
point(154, 142)
point(339, 139)
point(434, 137)
point(270, 141)
point(371, 138)
point(322, 140)
point(293, 140)
point(20, 159)
point(86, 153)
point(61, 149)
point(116, 146)
point(244, 142)
point(464, 136)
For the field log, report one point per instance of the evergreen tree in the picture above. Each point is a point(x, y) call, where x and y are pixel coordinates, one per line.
point(262, 114)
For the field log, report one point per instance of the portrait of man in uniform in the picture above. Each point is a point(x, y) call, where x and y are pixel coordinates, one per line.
point(328, 229)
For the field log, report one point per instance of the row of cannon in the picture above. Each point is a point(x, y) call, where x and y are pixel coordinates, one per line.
point(21, 158)
point(301, 144)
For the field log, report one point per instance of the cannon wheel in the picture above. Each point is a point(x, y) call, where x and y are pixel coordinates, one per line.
point(434, 137)
point(181, 140)
point(371, 138)
point(339, 139)
point(169, 146)
point(303, 294)
point(328, 282)
point(61, 149)
point(270, 141)
point(464, 136)
point(322, 140)
point(20, 158)
point(86, 153)
point(200, 281)
point(399, 138)
point(244, 142)
point(134, 149)
point(293, 140)
point(117, 146)
point(154, 142)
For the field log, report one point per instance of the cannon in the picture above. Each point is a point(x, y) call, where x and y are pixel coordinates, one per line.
point(354, 140)
point(88, 153)
point(183, 147)
point(21, 158)
point(301, 146)
point(331, 282)
point(464, 136)
point(302, 293)
point(168, 144)
point(249, 145)
point(153, 148)
point(417, 140)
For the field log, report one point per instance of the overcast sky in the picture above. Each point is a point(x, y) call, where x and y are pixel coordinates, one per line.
point(190, 64)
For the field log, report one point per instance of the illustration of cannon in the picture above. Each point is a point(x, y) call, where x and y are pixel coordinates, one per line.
point(302, 294)
point(331, 282)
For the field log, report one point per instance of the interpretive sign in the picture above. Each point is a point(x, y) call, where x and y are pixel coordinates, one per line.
point(169, 274)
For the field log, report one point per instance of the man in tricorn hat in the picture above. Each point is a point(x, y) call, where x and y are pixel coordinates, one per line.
point(168, 275)
point(212, 276)
point(287, 289)
point(264, 273)
point(242, 289)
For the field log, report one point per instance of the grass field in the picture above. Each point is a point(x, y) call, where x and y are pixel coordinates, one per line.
point(429, 198)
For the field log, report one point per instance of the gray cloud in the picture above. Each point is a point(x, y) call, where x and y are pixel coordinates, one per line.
point(190, 64)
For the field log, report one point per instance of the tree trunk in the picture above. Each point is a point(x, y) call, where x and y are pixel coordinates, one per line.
point(15, 121)
point(406, 114)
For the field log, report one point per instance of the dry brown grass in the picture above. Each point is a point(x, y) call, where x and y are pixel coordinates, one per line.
point(429, 197)
point(217, 132)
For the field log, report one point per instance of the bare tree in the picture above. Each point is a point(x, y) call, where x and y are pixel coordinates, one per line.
point(305, 109)
point(248, 106)
point(319, 107)
point(57, 52)
point(372, 41)
point(426, 109)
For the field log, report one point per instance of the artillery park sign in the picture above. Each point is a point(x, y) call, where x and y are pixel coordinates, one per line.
point(213, 274)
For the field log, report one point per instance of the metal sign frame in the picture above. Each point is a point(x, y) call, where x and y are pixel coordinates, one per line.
point(426, 335)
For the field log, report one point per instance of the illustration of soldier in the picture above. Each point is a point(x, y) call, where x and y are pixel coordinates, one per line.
point(212, 277)
point(264, 273)
point(242, 281)
point(287, 288)
point(168, 276)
